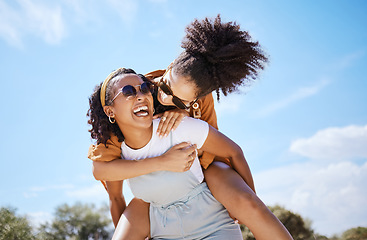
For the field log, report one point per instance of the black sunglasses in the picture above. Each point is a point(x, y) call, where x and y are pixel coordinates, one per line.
point(176, 100)
point(130, 91)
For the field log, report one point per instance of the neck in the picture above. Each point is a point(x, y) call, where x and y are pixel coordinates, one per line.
point(137, 138)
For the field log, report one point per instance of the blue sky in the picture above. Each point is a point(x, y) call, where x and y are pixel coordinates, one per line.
point(302, 125)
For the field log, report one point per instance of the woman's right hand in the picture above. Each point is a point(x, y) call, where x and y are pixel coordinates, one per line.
point(179, 158)
point(169, 121)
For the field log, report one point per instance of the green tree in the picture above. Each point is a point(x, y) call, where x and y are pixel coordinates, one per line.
point(77, 222)
point(296, 225)
point(14, 227)
point(358, 233)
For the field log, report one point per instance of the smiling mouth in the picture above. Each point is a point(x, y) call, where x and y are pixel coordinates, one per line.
point(141, 111)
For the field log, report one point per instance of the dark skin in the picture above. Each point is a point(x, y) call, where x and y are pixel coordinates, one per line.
point(137, 129)
point(227, 185)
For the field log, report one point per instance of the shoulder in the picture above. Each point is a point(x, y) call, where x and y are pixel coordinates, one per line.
point(192, 130)
point(207, 100)
point(189, 124)
point(155, 74)
point(192, 121)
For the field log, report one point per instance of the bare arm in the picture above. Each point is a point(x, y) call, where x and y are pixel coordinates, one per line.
point(220, 145)
point(175, 160)
point(117, 200)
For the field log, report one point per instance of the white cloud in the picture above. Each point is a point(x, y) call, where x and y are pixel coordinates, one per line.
point(9, 23)
point(332, 196)
point(300, 94)
point(35, 191)
point(90, 192)
point(334, 144)
point(332, 193)
point(49, 21)
point(230, 104)
point(44, 21)
point(51, 187)
point(127, 9)
point(31, 17)
point(97, 192)
point(349, 60)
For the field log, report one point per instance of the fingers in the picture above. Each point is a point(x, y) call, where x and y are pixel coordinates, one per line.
point(182, 145)
point(191, 158)
point(159, 115)
point(180, 157)
point(167, 126)
point(177, 122)
point(189, 164)
point(170, 120)
point(162, 124)
point(187, 149)
point(192, 154)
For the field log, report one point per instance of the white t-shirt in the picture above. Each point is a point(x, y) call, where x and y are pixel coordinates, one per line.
point(190, 130)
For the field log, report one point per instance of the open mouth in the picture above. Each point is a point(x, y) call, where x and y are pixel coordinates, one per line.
point(141, 111)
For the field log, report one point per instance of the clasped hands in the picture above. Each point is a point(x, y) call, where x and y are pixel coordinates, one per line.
point(180, 157)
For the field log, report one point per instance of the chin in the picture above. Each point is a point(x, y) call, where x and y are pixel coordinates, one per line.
point(144, 121)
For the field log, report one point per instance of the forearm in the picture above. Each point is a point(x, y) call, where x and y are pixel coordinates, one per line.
point(117, 207)
point(117, 200)
point(220, 145)
point(239, 164)
point(121, 169)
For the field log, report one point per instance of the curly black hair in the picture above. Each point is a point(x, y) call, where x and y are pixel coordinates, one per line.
point(219, 56)
point(102, 128)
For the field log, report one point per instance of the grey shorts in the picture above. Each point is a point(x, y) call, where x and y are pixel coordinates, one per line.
point(198, 215)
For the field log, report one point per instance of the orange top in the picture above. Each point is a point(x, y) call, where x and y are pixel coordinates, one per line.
point(204, 110)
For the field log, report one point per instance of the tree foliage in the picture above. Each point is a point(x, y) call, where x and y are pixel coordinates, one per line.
point(14, 227)
point(77, 222)
point(298, 227)
point(359, 233)
point(83, 221)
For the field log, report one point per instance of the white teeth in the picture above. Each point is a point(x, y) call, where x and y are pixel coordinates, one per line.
point(140, 108)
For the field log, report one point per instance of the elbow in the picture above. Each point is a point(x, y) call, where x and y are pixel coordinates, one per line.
point(97, 173)
point(237, 152)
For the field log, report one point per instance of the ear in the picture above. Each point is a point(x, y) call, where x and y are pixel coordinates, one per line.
point(108, 110)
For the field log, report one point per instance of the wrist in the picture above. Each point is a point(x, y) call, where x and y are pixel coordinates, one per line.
point(159, 163)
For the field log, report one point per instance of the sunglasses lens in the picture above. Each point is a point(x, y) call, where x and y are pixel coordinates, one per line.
point(129, 91)
point(178, 103)
point(146, 88)
point(165, 89)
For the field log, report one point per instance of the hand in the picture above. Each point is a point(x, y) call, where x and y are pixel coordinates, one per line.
point(169, 121)
point(179, 158)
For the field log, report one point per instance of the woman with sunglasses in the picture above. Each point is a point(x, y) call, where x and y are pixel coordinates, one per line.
point(181, 205)
point(217, 56)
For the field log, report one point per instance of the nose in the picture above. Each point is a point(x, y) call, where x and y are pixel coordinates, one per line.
point(140, 96)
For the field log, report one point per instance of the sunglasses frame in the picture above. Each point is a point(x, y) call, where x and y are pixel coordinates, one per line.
point(134, 92)
point(168, 91)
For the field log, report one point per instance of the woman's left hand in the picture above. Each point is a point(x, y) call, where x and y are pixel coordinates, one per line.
point(169, 121)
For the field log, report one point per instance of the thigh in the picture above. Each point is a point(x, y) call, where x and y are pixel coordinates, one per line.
point(242, 203)
point(134, 222)
point(229, 188)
